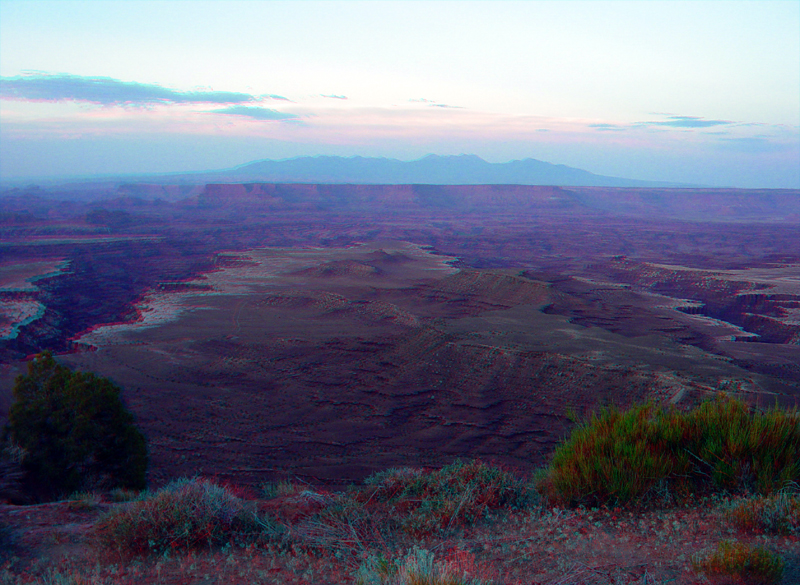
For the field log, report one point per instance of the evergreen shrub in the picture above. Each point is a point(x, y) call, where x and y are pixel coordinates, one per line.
point(75, 432)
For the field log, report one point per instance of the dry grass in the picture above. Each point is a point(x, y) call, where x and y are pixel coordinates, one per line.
point(419, 567)
point(740, 562)
point(185, 514)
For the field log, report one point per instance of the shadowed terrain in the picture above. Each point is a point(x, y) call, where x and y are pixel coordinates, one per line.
point(329, 331)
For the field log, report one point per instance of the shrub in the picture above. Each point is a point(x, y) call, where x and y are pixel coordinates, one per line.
point(742, 449)
point(779, 514)
point(614, 457)
point(186, 514)
point(123, 495)
point(418, 568)
point(414, 501)
point(84, 500)
point(618, 457)
point(75, 431)
point(271, 490)
point(457, 494)
point(750, 565)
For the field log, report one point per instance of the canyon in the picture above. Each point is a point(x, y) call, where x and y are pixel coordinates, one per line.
point(324, 332)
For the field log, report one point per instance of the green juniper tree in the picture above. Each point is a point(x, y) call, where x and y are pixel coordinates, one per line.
point(75, 432)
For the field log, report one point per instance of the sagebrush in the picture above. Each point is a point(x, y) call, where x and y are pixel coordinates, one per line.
point(186, 514)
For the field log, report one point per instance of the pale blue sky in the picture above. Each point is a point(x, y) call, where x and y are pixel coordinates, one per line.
point(699, 91)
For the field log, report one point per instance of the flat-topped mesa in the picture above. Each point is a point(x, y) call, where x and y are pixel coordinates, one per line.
point(383, 198)
point(717, 205)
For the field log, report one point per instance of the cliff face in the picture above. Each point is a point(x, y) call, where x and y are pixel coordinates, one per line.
point(388, 198)
point(697, 204)
point(684, 204)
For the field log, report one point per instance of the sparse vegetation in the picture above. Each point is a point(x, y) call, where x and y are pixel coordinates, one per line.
point(437, 500)
point(426, 502)
point(278, 489)
point(752, 565)
point(84, 500)
point(410, 526)
point(74, 431)
point(186, 514)
point(621, 457)
point(418, 567)
point(776, 514)
point(123, 495)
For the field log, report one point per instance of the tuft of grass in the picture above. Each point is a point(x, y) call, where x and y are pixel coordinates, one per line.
point(427, 502)
point(124, 495)
point(776, 514)
point(277, 489)
point(84, 500)
point(418, 567)
point(415, 502)
point(750, 565)
point(186, 514)
point(721, 446)
point(54, 576)
point(69, 577)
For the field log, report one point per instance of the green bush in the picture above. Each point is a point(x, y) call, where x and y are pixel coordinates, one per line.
point(618, 457)
point(186, 514)
point(741, 449)
point(75, 432)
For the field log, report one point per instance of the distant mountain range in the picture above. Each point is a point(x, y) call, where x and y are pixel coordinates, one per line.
point(465, 169)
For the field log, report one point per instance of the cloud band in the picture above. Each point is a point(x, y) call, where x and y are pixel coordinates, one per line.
point(107, 91)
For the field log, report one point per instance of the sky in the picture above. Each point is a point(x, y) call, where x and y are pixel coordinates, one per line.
point(700, 91)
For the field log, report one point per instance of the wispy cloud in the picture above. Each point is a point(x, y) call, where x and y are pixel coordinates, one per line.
point(712, 127)
point(434, 103)
point(46, 87)
point(607, 127)
point(687, 122)
point(334, 97)
point(255, 113)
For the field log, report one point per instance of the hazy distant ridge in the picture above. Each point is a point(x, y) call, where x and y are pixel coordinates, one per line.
point(465, 169)
point(431, 170)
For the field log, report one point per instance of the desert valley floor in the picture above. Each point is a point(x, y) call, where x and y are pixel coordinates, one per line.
point(261, 334)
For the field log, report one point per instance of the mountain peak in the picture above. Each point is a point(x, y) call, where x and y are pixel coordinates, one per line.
point(459, 157)
point(432, 169)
